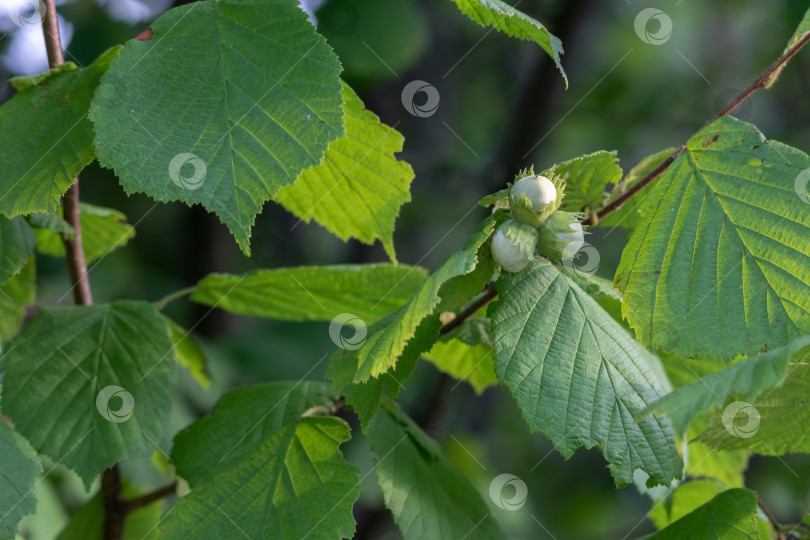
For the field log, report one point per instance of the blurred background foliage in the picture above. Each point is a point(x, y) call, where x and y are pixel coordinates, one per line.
point(503, 106)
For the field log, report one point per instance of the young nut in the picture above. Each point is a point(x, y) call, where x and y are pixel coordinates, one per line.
point(513, 245)
point(532, 199)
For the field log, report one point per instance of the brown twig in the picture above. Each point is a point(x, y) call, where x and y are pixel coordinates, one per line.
point(114, 504)
point(74, 251)
point(774, 522)
point(77, 267)
point(144, 500)
point(759, 83)
point(488, 297)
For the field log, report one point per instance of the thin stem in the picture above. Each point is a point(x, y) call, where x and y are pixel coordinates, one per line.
point(759, 83)
point(50, 29)
point(488, 297)
point(114, 509)
point(70, 203)
point(144, 500)
point(633, 191)
point(74, 251)
point(160, 304)
point(774, 522)
point(77, 268)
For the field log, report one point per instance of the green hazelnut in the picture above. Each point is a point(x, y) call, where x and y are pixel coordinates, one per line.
point(532, 199)
point(513, 245)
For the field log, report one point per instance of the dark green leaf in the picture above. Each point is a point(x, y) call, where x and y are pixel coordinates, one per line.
point(92, 387)
point(244, 92)
point(16, 244)
point(587, 179)
point(720, 265)
point(578, 376)
point(243, 418)
point(46, 138)
point(19, 469)
point(774, 424)
point(515, 23)
point(455, 283)
point(428, 496)
point(265, 464)
point(17, 293)
point(365, 397)
point(750, 377)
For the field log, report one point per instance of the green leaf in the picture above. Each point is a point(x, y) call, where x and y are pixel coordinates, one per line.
point(773, 425)
point(19, 469)
point(87, 523)
point(729, 515)
point(26, 81)
point(602, 291)
point(46, 138)
point(313, 292)
point(16, 244)
point(93, 363)
point(103, 231)
point(53, 222)
point(704, 462)
point(577, 375)
point(243, 418)
point(720, 265)
point(359, 187)
point(500, 199)
point(293, 484)
point(459, 279)
point(684, 499)
point(189, 353)
point(17, 293)
point(244, 92)
point(515, 23)
point(750, 377)
point(628, 216)
point(365, 397)
point(471, 363)
point(428, 496)
point(587, 178)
